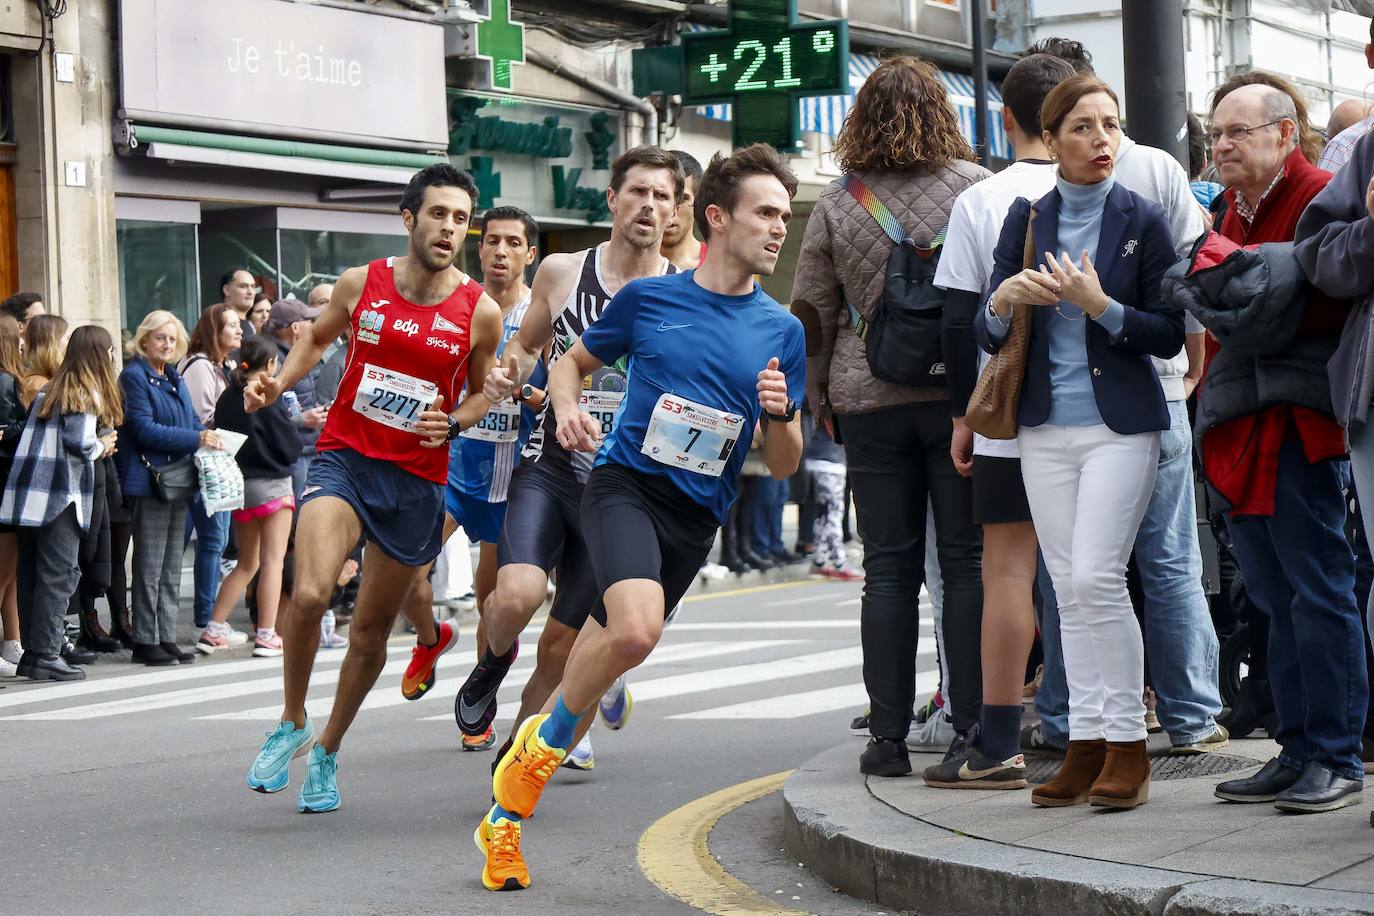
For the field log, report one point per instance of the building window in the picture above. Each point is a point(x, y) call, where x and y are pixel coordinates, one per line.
point(310, 257)
point(157, 270)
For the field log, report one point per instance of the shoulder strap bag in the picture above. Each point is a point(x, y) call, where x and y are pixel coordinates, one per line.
point(174, 481)
point(992, 407)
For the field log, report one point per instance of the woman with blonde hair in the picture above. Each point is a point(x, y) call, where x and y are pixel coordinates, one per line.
point(45, 339)
point(51, 495)
point(159, 435)
point(11, 428)
point(905, 163)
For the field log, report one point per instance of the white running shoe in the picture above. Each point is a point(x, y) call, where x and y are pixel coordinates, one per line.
point(616, 704)
point(11, 651)
point(8, 668)
point(936, 734)
point(236, 637)
point(581, 757)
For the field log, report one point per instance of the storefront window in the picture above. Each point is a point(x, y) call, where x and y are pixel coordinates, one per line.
point(254, 249)
point(157, 270)
point(309, 258)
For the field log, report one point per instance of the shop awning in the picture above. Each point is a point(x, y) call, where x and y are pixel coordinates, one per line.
point(825, 114)
point(237, 151)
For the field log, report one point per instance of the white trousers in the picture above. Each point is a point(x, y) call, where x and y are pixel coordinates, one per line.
point(1088, 489)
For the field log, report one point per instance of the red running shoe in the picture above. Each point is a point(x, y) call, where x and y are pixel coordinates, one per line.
point(419, 676)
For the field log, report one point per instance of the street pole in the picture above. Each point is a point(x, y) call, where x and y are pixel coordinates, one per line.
point(980, 82)
point(1156, 105)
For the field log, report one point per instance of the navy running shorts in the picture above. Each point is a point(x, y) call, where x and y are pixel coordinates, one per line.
point(402, 513)
point(480, 520)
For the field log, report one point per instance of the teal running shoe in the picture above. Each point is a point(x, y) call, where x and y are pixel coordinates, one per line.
point(284, 743)
point(320, 791)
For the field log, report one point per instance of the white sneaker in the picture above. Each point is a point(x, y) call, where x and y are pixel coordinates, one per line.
point(237, 637)
point(11, 651)
point(8, 669)
point(935, 734)
point(615, 705)
point(581, 757)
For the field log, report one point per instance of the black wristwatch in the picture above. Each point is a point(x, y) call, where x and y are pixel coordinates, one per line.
point(785, 417)
point(525, 392)
point(453, 429)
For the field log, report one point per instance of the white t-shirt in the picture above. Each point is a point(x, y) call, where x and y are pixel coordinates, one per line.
point(975, 224)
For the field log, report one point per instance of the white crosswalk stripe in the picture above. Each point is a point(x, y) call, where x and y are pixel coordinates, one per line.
point(796, 705)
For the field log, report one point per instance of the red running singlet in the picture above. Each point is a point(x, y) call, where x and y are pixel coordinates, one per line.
point(401, 356)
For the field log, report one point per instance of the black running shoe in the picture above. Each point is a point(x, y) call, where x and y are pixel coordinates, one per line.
point(474, 708)
point(972, 769)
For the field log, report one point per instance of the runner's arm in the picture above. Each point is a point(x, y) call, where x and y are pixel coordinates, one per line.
point(552, 282)
point(309, 350)
point(486, 337)
point(576, 429)
point(782, 383)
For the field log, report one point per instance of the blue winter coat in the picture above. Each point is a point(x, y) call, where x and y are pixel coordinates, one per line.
point(159, 424)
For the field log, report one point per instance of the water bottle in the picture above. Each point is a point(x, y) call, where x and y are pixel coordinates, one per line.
point(327, 629)
point(293, 403)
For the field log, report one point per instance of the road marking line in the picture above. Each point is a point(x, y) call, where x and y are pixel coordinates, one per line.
point(686, 626)
point(753, 590)
point(807, 600)
point(674, 854)
point(797, 705)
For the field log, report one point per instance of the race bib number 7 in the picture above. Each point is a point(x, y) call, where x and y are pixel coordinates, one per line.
point(393, 398)
point(694, 437)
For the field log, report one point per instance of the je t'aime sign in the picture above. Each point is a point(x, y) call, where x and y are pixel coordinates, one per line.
point(285, 69)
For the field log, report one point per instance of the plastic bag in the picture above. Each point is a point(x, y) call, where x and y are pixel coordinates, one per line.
point(221, 481)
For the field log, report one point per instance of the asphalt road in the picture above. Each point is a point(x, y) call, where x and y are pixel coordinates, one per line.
point(125, 793)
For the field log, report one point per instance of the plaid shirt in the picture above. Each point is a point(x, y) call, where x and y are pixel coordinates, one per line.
point(54, 468)
point(1243, 208)
point(1337, 152)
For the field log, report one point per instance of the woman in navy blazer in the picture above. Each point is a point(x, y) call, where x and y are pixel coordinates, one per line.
point(1090, 418)
point(159, 427)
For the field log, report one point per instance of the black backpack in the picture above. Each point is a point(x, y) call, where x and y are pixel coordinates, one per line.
point(902, 337)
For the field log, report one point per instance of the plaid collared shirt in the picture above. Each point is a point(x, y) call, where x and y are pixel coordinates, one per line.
point(1338, 151)
point(1243, 208)
point(54, 467)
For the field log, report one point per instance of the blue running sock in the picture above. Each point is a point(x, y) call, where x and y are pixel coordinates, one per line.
point(497, 812)
point(558, 728)
point(999, 734)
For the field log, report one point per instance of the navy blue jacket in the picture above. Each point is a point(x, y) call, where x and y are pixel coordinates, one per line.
point(159, 424)
point(1135, 248)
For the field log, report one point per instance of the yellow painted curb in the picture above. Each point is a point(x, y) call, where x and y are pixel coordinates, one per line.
point(673, 853)
point(752, 589)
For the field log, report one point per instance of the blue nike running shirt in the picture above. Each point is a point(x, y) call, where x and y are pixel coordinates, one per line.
point(700, 346)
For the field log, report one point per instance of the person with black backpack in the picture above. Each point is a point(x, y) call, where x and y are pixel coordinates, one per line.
point(876, 380)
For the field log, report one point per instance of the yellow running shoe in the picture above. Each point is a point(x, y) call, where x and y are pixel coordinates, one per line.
point(500, 844)
point(523, 772)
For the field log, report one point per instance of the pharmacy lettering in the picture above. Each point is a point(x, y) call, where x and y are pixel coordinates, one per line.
point(468, 131)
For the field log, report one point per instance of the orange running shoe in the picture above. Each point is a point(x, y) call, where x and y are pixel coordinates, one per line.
point(524, 771)
point(482, 742)
point(500, 843)
point(419, 676)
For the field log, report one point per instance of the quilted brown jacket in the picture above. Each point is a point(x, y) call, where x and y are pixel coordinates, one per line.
point(844, 258)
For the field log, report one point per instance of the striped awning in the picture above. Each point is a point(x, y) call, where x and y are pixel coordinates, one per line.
point(824, 114)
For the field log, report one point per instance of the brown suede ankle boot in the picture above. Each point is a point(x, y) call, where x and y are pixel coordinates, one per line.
point(1070, 785)
point(1125, 778)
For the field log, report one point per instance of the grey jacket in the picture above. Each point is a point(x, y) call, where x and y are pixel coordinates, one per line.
point(844, 259)
point(1334, 244)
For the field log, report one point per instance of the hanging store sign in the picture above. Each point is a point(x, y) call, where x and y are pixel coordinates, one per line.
point(285, 69)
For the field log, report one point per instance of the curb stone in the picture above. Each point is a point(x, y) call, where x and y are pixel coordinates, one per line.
point(869, 850)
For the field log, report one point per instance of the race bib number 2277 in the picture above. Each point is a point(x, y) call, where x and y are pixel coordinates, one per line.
point(393, 398)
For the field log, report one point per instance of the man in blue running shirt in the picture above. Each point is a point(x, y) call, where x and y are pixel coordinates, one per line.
point(711, 358)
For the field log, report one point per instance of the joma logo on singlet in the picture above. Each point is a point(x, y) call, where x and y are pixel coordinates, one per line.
point(407, 327)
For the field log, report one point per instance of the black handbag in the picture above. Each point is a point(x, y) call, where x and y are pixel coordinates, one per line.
point(174, 481)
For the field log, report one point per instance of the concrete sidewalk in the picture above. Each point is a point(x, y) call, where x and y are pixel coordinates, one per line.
point(904, 845)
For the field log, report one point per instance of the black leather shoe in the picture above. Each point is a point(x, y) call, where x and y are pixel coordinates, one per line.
point(176, 652)
point(1272, 779)
point(25, 663)
point(758, 561)
point(1319, 789)
point(885, 757)
point(151, 654)
point(77, 656)
point(53, 668)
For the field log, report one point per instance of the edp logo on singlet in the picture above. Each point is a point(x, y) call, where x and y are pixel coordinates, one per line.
point(407, 327)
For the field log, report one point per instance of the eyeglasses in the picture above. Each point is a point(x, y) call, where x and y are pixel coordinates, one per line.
point(1238, 134)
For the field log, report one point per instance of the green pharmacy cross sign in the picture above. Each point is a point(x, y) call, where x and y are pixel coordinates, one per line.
point(500, 41)
point(762, 65)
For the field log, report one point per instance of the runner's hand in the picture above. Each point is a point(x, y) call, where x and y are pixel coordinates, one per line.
point(498, 385)
point(580, 432)
point(433, 426)
point(260, 391)
point(773, 389)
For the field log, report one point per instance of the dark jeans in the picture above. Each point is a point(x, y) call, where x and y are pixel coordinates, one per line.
point(47, 577)
point(897, 458)
point(1299, 569)
point(769, 498)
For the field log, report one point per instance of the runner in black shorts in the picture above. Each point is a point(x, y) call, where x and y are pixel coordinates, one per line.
point(543, 530)
point(711, 357)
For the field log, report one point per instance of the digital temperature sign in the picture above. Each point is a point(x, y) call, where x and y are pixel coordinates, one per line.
point(761, 64)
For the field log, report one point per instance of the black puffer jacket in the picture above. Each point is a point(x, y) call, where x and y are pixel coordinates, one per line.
point(1252, 300)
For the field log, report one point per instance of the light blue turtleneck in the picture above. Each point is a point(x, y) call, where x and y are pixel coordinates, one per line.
point(1072, 402)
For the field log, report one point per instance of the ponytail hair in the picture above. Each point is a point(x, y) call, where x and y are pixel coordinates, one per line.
point(254, 355)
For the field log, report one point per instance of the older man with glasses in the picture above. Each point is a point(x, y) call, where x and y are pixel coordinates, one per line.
point(1275, 454)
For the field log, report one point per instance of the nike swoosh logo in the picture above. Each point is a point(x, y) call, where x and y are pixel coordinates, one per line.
point(472, 715)
point(662, 326)
point(966, 773)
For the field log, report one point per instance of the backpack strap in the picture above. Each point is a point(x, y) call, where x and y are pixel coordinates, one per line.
point(875, 207)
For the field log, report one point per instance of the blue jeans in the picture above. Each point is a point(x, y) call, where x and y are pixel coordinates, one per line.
point(212, 534)
point(1052, 699)
point(1299, 570)
point(769, 497)
point(1180, 641)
